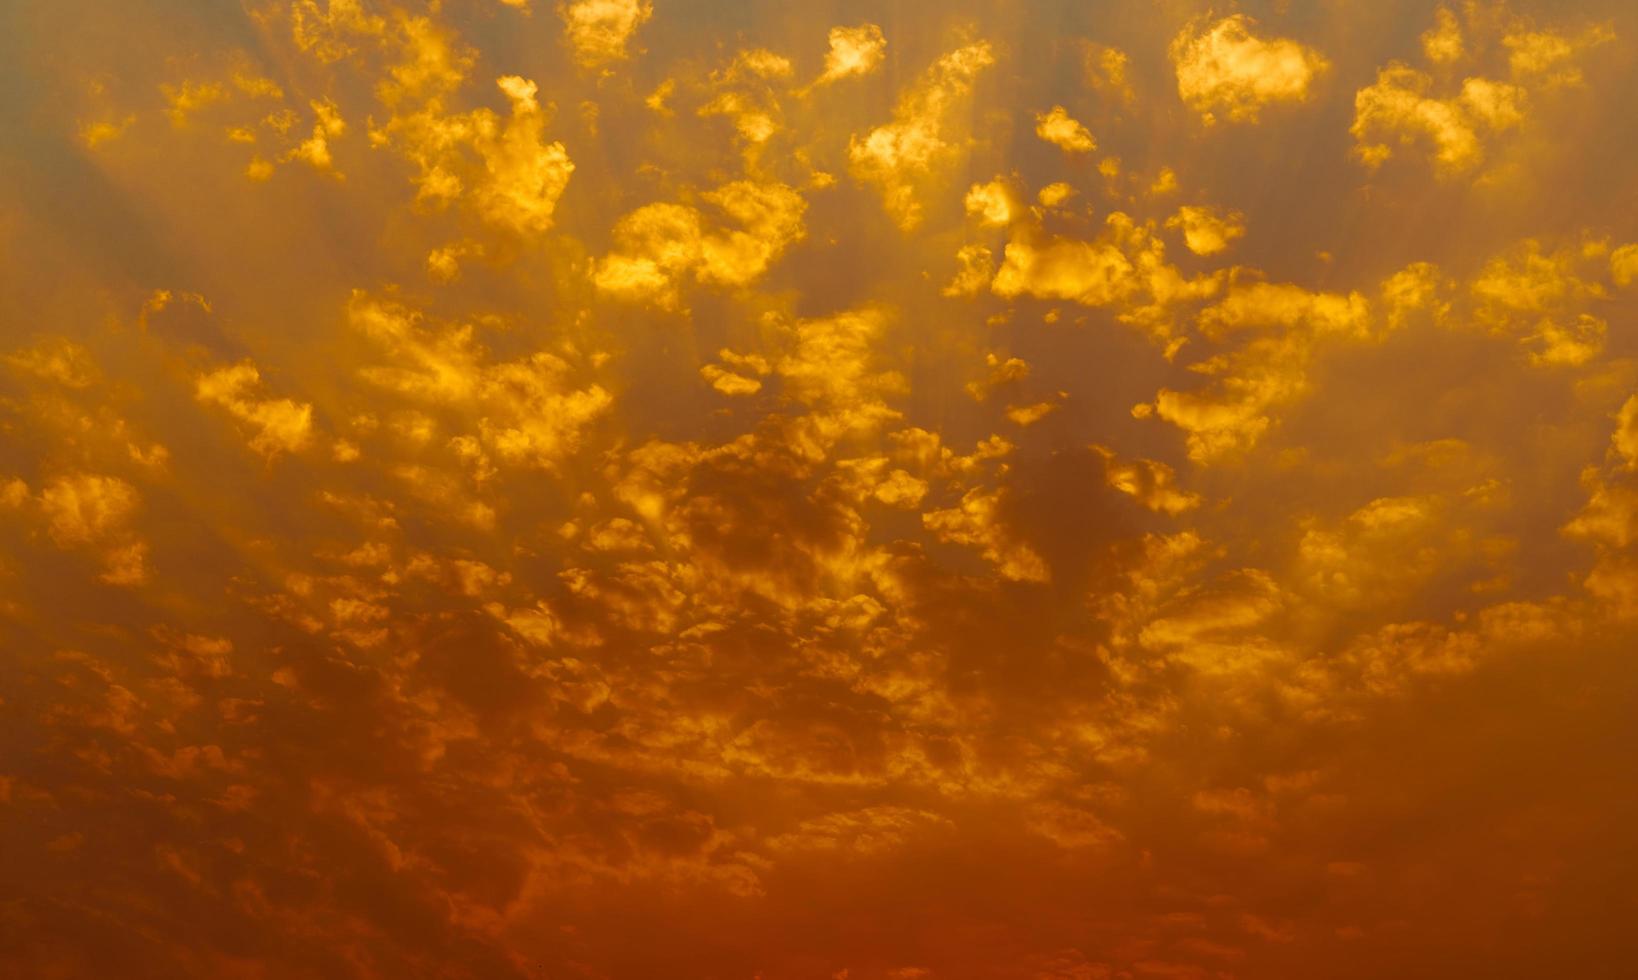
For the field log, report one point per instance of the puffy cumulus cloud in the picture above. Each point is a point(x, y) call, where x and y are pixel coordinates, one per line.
point(526, 175)
point(315, 150)
point(511, 177)
point(1205, 231)
point(853, 51)
point(1609, 518)
point(1057, 127)
point(747, 91)
point(830, 366)
point(1459, 122)
point(1107, 70)
point(1124, 268)
point(1096, 273)
point(659, 247)
point(56, 359)
point(737, 374)
point(96, 511)
point(529, 411)
point(1442, 43)
point(1388, 550)
point(1398, 106)
point(1002, 372)
point(1219, 625)
point(1224, 68)
point(1152, 484)
point(278, 425)
point(1625, 440)
point(1547, 57)
point(975, 267)
point(991, 203)
point(1624, 265)
point(1543, 299)
point(976, 521)
point(598, 32)
point(1286, 322)
point(330, 30)
point(905, 154)
point(83, 508)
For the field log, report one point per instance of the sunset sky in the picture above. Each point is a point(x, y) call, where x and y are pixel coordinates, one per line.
point(1045, 489)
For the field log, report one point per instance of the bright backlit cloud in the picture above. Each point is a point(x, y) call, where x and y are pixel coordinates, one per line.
point(1226, 68)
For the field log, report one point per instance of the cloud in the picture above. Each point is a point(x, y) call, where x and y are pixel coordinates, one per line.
point(1206, 232)
point(1224, 68)
point(659, 247)
point(599, 31)
point(1058, 128)
point(529, 411)
point(56, 359)
point(976, 522)
point(278, 425)
point(991, 203)
point(1123, 267)
point(526, 175)
point(1459, 125)
point(902, 156)
point(1397, 106)
point(83, 508)
point(1232, 413)
point(853, 51)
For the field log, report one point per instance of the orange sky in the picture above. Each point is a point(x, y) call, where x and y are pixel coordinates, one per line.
point(705, 489)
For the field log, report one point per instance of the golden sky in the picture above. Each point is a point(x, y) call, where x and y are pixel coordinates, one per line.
point(861, 491)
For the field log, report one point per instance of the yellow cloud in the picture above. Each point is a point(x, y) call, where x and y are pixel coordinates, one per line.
point(56, 359)
point(1025, 415)
point(526, 175)
point(1387, 549)
point(89, 509)
point(1442, 43)
point(1094, 273)
point(1398, 108)
point(1406, 108)
point(747, 94)
point(1231, 414)
point(1001, 372)
point(1054, 194)
point(1058, 128)
point(279, 425)
point(328, 31)
point(598, 31)
point(975, 268)
point(82, 508)
point(853, 51)
point(976, 522)
point(1625, 440)
point(1205, 231)
point(1107, 70)
point(906, 153)
point(1150, 483)
point(530, 411)
point(658, 247)
point(1624, 265)
point(991, 203)
point(1225, 68)
point(1541, 298)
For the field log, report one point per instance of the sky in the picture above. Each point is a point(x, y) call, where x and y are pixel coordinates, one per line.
point(851, 490)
